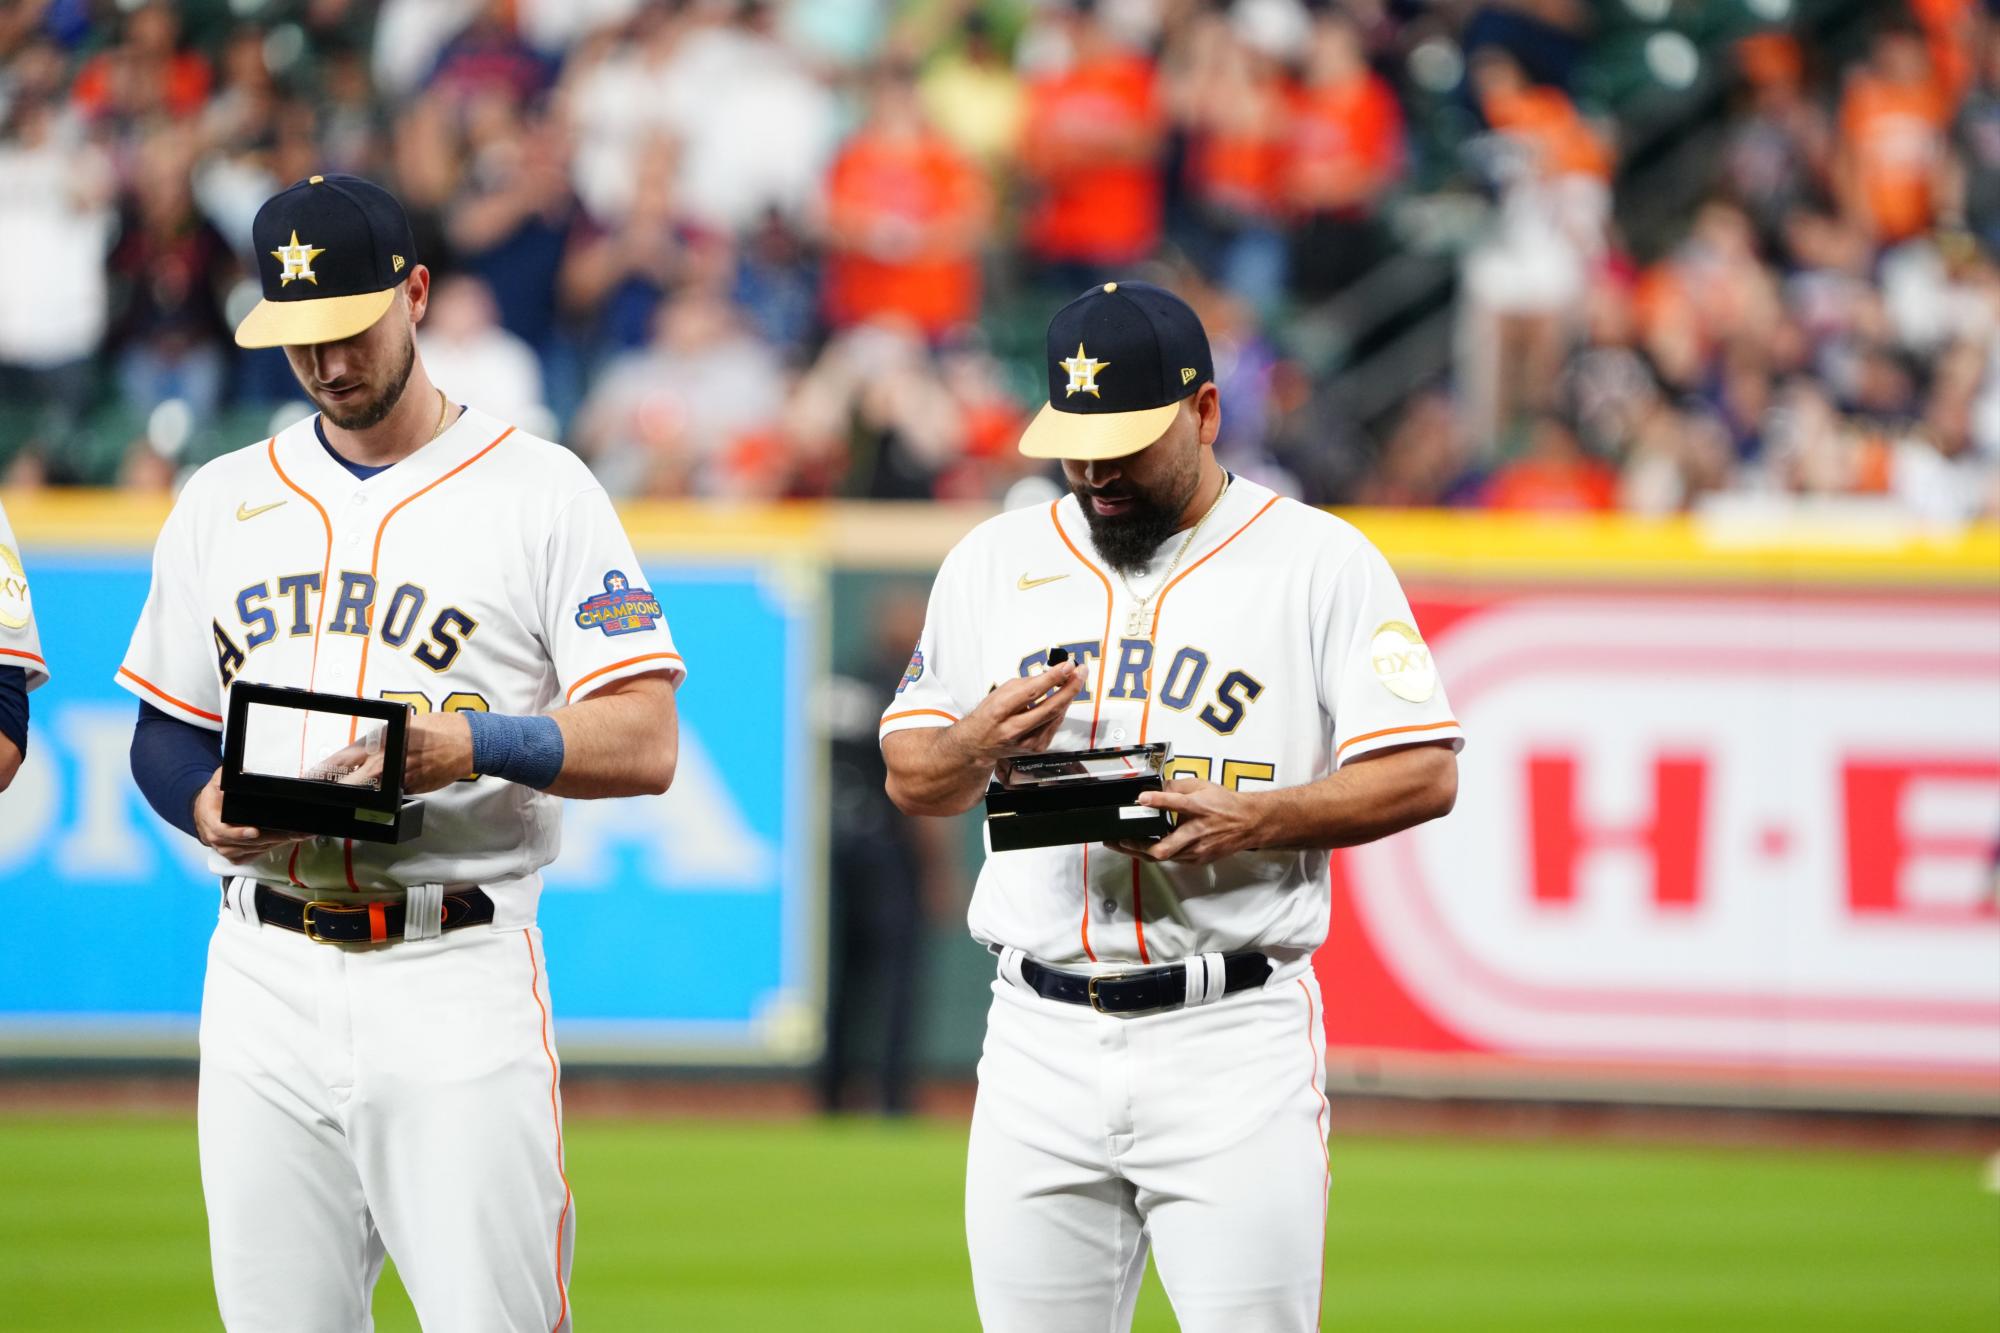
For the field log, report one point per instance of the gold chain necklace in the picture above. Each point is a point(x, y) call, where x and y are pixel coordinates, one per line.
point(444, 410)
point(1135, 623)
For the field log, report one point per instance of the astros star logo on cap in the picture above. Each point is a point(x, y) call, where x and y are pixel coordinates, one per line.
point(1082, 373)
point(297, 260)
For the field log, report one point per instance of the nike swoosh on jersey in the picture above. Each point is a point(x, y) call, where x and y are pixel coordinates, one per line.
point(1027, 583)
point(244, 511)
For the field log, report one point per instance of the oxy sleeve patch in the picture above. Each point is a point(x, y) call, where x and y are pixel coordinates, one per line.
point(913, 672)
point(1402, 662)
point(620, 608)
point(13, 590)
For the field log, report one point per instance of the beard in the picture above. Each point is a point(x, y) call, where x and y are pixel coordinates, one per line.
point(362, 416)
point(1127, 541)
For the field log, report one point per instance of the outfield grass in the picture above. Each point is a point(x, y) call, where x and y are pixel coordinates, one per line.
point(706, 1227)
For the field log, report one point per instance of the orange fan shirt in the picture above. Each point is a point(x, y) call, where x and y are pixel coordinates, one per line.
point(924, 184)
point(1551, 486)
point(1896, 135)
point(1347, 144)
point(184, 89)
point(1548, 119)
point(1092, 204)
point(1947, 25)
point(1243, 168)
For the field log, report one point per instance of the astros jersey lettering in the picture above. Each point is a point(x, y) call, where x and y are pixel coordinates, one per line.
point(1282, 647)
point(488, 571)
point(20, 645)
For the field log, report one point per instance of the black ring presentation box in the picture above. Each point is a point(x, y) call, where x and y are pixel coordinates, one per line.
point(1057, 800)
point(371, 810)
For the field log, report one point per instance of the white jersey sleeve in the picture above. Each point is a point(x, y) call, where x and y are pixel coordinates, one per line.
point(599, 620)
point(20, 643)
point(171, 661)
point(942, 682)
point(1376, 677)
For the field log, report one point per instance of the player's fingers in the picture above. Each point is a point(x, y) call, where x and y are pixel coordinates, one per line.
point(1058, 698)
point(1022, 691)
point(1046, 713)
point(1172, 847)
point(266, 844)
point(1170, 800)
point(1044, 731)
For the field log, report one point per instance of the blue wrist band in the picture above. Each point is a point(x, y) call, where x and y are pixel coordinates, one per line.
point(527, 750)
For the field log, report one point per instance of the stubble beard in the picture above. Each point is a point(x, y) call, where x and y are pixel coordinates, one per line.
point(376, 411)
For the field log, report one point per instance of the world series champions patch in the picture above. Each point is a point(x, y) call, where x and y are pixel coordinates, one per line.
point(620, 608)
point(913, 672)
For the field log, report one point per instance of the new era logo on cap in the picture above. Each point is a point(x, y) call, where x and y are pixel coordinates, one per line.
point(331, 251)
point(1121, 359)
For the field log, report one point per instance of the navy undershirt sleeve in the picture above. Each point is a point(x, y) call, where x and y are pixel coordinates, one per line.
point(172, 761)
point(14, 706)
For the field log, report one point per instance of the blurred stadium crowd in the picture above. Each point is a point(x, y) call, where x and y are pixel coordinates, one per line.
point(1538, 254)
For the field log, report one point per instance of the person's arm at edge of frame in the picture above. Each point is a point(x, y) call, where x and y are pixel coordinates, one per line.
point(944, 770)
point(1370, 797)
point(13, 722)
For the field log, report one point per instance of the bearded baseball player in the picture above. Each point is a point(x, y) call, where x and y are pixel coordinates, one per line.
point(378, 1071)
point(22, 667)
point(1153, 1071)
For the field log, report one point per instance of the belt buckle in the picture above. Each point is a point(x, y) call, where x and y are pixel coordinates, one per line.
point(1090, 989)
point(307, 924)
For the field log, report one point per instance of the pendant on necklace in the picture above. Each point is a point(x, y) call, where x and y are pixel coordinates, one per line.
point(1135, 624)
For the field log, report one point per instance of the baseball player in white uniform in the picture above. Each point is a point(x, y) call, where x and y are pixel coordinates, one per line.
point(1153, 1073)
point(378, 1069)
point(22, 667)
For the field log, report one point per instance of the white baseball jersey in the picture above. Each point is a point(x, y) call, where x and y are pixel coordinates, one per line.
point(1280, 648)
point(20, 645)
point(487, 571)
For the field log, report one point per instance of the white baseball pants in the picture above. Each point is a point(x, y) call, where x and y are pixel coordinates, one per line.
point(1198, 1132)
point(401, 1097)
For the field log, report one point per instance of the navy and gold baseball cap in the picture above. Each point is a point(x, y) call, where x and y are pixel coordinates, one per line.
point(1122, 357)
point(331, 250)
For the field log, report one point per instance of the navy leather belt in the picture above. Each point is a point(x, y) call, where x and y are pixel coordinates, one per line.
point(363, 923)
point(1140, 990)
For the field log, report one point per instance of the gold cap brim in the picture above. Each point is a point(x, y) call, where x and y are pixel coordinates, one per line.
point(326, 319)
point(1093, 436)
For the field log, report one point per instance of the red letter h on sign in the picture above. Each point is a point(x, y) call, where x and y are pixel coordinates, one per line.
point(1558, 838)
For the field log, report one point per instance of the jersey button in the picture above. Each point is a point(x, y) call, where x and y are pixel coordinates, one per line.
point(1110, 906)
point(1118, 734)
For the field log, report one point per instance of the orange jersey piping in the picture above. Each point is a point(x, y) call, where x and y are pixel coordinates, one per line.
point(1393, 731)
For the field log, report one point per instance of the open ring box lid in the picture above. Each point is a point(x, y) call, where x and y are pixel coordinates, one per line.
point(1062, 798)
point(300, 761)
